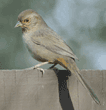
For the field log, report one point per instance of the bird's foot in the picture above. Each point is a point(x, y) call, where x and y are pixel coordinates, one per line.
point(41, 70)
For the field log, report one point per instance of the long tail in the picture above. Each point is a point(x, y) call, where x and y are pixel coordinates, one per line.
point(90, 91)
point(71, 66)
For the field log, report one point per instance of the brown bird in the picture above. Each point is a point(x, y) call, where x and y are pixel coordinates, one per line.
point(46, 46)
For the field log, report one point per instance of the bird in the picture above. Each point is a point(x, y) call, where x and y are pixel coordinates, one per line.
point(46, 46)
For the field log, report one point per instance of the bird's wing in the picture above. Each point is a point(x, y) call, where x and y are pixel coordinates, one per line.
point(51, 41)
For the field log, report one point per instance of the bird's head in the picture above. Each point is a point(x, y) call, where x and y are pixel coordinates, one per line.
point(29, 19)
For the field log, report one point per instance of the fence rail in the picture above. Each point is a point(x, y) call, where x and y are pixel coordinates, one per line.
point(29, 90)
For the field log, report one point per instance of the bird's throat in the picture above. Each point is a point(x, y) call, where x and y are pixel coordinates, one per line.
point(25, 29)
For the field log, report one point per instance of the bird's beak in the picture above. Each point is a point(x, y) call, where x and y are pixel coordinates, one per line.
point(18, 24)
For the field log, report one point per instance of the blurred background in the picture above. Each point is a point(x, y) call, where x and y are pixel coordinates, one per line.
point(81, 23)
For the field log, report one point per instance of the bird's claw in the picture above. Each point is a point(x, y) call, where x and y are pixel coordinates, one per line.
point(41, 70)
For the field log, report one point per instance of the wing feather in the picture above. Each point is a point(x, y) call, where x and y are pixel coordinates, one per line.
point(53, 42)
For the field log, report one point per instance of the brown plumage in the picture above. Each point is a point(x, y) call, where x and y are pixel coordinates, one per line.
point(45, 45)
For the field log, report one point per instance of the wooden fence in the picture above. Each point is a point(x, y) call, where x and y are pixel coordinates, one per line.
point(29, 90)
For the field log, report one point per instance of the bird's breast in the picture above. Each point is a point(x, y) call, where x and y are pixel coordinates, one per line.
point(34, 49)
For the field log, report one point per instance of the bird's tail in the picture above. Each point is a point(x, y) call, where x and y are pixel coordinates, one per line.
point(71, 66)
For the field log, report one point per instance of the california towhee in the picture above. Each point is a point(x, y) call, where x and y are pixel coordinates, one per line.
point(46, 46)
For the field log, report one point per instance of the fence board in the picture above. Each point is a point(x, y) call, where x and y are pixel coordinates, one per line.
point(73, 88)
point(28, 90)
point(104, 90)
point(97, 84)
point(84, 98)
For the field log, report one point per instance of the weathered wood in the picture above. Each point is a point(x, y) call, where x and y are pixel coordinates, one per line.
point(73, 88)
point(85, 99)
point(28, 90)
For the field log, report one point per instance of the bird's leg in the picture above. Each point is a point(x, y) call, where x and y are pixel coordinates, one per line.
point(40, 64)
point(41, 69)
point(53, 66)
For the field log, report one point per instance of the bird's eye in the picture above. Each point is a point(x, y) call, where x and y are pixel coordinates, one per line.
point(26, 20)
